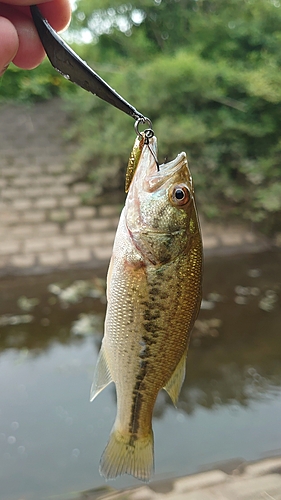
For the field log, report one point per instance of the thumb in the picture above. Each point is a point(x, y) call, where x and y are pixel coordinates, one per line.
point(9, 43)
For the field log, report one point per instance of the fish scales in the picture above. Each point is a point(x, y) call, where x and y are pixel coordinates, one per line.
point(154, 295)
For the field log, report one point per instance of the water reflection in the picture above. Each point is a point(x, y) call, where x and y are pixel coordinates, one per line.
point(48, 346)
point(235, 353)
point(53, 309)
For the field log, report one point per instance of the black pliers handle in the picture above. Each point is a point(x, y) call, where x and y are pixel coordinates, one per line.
point(67, 62)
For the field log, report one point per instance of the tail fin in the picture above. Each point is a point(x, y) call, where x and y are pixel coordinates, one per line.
point(124, 455)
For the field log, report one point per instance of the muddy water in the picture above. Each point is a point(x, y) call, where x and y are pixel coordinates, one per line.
point(51, 437)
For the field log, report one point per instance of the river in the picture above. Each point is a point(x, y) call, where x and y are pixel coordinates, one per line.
point(52, 437)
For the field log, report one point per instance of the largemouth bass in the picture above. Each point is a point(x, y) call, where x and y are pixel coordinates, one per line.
point(154, 296)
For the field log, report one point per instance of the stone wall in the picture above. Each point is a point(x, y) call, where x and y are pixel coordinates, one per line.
point(44, 224)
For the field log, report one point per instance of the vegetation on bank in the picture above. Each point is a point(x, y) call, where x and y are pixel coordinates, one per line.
point(208, 76)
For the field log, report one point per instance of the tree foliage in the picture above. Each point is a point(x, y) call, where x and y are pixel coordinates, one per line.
point(208, 76)
point(42, 83)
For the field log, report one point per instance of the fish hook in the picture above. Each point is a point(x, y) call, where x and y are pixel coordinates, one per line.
point(148, 133)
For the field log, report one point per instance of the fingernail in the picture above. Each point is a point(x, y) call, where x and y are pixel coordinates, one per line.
point(4, 69)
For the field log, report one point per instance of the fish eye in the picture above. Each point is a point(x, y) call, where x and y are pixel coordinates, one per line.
point(180, 195)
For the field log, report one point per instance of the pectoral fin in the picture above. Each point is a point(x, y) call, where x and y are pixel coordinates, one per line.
point(102, 375)
point(173, 386)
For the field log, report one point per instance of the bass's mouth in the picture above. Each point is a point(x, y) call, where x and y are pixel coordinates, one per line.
point(143, 232)
point(174, 164)
point(156, 178)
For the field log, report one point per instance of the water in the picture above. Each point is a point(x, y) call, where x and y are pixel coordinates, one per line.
point(51, 437)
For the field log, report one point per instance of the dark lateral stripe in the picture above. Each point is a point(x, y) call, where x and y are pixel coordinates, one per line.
point(137, 395)
point(150, 315)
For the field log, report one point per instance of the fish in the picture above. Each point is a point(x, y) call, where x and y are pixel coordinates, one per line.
point(154, 286)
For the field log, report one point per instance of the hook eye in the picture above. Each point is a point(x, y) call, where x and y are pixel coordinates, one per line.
point(149, 133)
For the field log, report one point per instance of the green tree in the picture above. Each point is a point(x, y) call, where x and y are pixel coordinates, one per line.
point(208, 76)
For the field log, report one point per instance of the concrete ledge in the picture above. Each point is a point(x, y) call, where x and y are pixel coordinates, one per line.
point(257, 481)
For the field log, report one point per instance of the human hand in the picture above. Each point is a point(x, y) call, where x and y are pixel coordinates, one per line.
point(20, 42)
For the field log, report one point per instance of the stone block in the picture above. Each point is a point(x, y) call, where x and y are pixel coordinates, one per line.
point(8, 217)
point(34, 217)
point(103, 252)
point(22, 204)
point(81, 187)
point(8, 247)
point(34, 192)
point(48, 229)
point(90, 240)
point(23, 231)
point(110, 210)
point(23, 261)
point(4, 262)
point(102, 224)
point(231, 238)
point(11, 193)
point(70, 201)
point(43, 160)
point(79, 255)
point(59, 215)
point(251, 488)
point(142, 493)
point(75, 226)
point(46, 202)
point(97, 238)
point(61, 241)
point(9, 171)
point(5, 205)
point(210, 241)
point(44, 180)
point(33, 170)
point(57, 190)
point(65, 178)
point(55, 168)
point(35, 245)
point(51, 258)
point(199, 481)
point(22, 181)
point(264, 467)
point(108, 237)
point(250, 238)
point(84, 212)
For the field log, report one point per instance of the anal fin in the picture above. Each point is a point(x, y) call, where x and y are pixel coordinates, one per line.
point(173, 386)
point(102, 375)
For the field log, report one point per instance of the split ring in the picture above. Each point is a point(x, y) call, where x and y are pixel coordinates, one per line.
point(148, 132)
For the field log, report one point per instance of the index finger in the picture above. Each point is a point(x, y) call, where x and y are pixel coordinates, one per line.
point(24, 2)
point(57, 12)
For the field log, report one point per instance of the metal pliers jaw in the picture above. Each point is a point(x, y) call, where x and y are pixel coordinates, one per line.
point(69, 64)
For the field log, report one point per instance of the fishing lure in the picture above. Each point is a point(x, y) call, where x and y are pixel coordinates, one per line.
point(70, 65)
